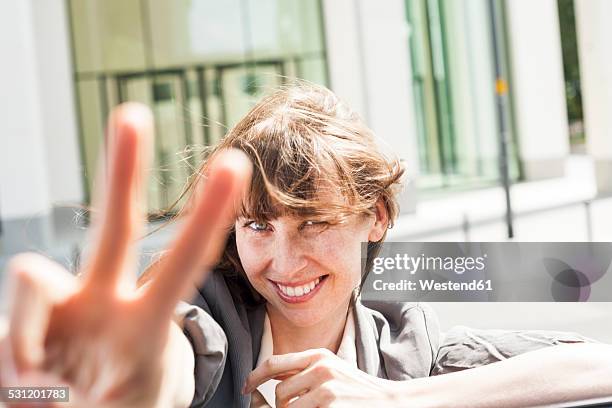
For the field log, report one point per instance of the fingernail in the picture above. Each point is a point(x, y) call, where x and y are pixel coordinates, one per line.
point(244, 389)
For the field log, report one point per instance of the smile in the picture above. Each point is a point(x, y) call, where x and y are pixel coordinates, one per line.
point(299, 293)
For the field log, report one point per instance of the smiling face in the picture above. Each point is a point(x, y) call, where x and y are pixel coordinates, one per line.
point(305, 265)
point(320, 187)
point(305, 269)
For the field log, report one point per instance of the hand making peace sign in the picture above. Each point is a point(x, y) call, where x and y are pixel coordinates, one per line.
point(112, 346)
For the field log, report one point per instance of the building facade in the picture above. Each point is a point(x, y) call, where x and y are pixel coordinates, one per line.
point(420, 72)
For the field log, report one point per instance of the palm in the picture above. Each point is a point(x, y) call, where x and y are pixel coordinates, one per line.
point(98, 334)
point(105, 350)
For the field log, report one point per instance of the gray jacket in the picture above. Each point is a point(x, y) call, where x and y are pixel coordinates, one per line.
point(396, 341)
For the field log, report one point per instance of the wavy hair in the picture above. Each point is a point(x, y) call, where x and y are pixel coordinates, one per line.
point(305, 143)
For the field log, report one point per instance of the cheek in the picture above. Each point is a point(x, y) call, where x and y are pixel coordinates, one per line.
point(252, 255)
point(343, 255)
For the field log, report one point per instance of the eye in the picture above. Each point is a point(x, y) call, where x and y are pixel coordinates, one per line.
point(257, 226)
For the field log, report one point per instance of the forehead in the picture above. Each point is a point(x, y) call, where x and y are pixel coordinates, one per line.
point(326, 202)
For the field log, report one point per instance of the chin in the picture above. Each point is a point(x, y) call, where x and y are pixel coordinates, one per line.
point(304, 318)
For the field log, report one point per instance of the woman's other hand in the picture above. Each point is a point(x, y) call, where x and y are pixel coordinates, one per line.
point(111, 344)
point(319, 378)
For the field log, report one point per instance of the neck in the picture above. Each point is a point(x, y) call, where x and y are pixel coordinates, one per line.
point(289, 338)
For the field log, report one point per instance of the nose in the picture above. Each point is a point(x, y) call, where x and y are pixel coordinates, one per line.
point(290, 255)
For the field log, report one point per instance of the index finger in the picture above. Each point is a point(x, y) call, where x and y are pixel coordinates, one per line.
point(201, 240)
point(284, 364)
point(130, 130)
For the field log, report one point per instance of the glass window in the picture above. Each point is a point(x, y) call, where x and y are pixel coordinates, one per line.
point(453, 82)
point(107, 35)
point(200, 65)
point(187, 32)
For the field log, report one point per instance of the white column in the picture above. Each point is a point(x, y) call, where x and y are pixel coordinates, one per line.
point(594, 33)
point(24, 182)
point(343, 53)
point(538, 86)
point(369, 59)
point(56, 91)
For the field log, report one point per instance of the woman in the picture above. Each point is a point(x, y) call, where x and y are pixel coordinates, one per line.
point(279, 320)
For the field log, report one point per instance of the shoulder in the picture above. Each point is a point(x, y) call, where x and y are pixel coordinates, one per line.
point(407, 336)
point(403, 315)
point(216, 321)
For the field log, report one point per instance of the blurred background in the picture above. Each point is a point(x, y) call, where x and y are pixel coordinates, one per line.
point(461, 90)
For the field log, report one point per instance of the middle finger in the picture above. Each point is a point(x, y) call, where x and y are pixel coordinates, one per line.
point(201, 240)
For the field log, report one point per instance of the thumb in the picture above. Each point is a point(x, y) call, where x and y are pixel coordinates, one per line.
point(35, 285)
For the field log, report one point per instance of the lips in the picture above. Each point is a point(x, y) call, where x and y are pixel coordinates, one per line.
point(302, 292)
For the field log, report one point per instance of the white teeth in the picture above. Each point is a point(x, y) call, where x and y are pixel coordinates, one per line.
point(301, 290)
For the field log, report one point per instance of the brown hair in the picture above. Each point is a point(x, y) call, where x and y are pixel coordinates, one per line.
point(303, 141)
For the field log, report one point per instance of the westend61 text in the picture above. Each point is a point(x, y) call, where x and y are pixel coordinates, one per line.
point(432, 285)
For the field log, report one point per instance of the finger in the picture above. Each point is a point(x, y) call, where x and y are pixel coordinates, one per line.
point(283, 376)
point(278, 365)
point(35, 285)
point(297, 385)
point(200, 242)
point(314, 398)
point(130, 130)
